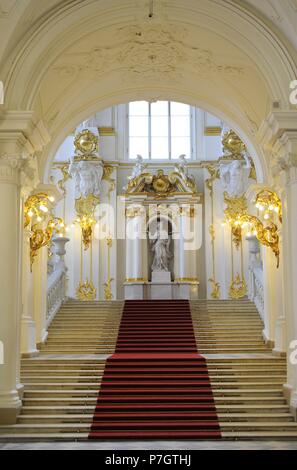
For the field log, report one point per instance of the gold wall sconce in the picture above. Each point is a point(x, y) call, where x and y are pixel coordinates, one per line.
point(37, 206)
point(37, 209)
point(42, 237)
point(269, 203)
point(267, 236)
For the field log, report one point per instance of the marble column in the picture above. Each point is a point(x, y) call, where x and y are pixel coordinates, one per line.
point(281, 130)
point(135, 223)
point(187, 251)
point(10, 402)
point(290, 276)
point(186, 264)
point(22, 134)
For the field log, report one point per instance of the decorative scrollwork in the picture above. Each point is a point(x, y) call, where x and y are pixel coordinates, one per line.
point(85, 209)
point(86, 291)
point(216, 288)
point(41, 238)
point(238, 288)
point(107, 289)
point(268, 235)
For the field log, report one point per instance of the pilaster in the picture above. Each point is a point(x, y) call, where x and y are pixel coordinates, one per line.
point(279, 138)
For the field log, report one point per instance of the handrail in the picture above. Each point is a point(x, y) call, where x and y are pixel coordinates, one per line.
point(56, 293)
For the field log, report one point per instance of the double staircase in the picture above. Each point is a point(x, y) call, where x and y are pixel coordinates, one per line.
point(61, 400)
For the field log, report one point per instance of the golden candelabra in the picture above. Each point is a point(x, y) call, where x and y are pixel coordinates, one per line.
point(268, 201)
point(42, 237)
point(37, 206)
point(36, 210)
point(238, 217)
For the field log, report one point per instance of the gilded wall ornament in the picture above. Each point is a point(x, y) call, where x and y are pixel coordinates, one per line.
point(107, 289)
point(85, 209)
point(86, 291)
point(216, 289)
point(42, 237)
point(238, 288)
point(65, 177)
point(86, 143)
point(161, 185)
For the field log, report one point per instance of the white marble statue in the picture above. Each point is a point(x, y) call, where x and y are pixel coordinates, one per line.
point(87, 176)
point(139, 168)
point(161, 249)
point(182, 166)
point(234, 177)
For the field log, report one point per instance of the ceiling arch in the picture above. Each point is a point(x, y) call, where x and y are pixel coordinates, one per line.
point(76, 57)
point(67, 126)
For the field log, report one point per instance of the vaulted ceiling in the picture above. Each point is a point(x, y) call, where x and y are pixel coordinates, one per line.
point(66, 59)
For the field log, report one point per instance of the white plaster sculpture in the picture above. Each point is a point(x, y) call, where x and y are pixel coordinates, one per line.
point(161, 249)
point(139, 168)
point(182, 166)
point(87, 176)
point(234, 177)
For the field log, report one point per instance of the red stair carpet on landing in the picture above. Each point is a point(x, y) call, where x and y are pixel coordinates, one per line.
point(156, 385)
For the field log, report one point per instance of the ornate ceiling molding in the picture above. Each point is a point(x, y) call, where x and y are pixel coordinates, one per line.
point(150, 52)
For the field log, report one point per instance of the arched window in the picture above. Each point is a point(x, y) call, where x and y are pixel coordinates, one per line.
point(160, 130)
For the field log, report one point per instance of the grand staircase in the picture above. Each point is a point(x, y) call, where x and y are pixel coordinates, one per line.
point(62, 383)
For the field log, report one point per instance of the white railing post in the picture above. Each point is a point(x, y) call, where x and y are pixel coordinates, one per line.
point(255, 284)
point(56, 291)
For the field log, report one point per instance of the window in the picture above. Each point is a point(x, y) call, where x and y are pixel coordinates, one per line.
point(159, 130)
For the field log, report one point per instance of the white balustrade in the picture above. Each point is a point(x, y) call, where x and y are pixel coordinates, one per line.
point(56, 294)
point(256, 288)
point(56, 290)
point(256, 282)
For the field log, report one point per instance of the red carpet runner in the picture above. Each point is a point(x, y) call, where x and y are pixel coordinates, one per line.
point(156, 385)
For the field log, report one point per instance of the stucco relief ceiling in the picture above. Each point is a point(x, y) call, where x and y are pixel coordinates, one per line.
point(160, 50)
point(156, 53)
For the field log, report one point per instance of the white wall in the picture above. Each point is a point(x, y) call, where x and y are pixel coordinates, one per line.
point(113, 149)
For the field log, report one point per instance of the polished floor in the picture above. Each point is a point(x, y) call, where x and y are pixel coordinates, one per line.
point(154, 445)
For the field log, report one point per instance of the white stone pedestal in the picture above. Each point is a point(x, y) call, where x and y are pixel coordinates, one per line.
point(134, 290)
point(161, 277)
point(160, 290)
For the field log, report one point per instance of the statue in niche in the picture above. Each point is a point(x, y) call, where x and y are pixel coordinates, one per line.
point(139, 168)
point(234, 177)
point(161, 248)
point(87, 176)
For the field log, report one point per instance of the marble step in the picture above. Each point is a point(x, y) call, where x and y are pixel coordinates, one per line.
point(81, 437)
point(87, 385)
point(225, 409)
point(91, 401)
point(92, 391)
point(215, 379)
point(88, 418)
point(48, 428)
